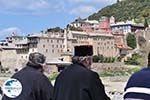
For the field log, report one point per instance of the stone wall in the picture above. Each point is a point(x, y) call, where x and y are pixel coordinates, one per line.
point(100, 67)
point(9, 59)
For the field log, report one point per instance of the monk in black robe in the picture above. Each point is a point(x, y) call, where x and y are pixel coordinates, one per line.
point(35, 85)
point(78, 82)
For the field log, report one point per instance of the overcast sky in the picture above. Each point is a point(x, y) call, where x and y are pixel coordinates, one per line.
point(30, 16)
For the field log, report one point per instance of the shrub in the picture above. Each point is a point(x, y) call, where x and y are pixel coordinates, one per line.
point(95, 58)
point(133, 60)
point(98, 58)
point(53, 76)
point(113, 59)
point(121, 72)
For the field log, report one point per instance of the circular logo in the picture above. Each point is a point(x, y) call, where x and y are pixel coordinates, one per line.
point(12, 88)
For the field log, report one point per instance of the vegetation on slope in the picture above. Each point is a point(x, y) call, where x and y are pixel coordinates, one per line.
point(126, 10)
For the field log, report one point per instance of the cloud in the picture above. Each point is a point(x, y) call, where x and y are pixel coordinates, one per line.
point(83, 8)
point(39, 4)
point(40, 7)
point(8, 31)
point(30, 7)
point(83, 11)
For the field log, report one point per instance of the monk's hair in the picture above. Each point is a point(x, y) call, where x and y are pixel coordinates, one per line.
point(78, 59)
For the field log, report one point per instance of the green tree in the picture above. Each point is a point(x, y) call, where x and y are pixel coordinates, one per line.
point(145, 15)
point(101, 58)
point(56, 29)
point(145, 23)
point(131, 40)
point(74, 28)
point(113, 59)
point(118, 1)
point(134, 60)
point(98, 58)
point(95, 58)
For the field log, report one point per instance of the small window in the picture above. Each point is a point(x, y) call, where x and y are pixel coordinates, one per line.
point(52, 46)
point(47, 40)
point(51, 41)
point(53, 51)
point(43, 45)
point(46, 50)
point(57, 41)
point(33, 45)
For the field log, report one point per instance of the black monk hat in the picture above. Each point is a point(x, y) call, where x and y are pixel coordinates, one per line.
point(83, 50)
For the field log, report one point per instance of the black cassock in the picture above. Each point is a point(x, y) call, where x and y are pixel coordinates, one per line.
point(79, 83)
point(36, 86)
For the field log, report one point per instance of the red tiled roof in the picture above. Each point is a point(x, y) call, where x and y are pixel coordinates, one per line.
point(122, 46)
